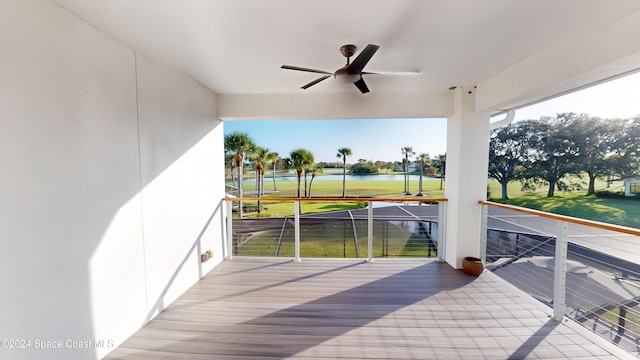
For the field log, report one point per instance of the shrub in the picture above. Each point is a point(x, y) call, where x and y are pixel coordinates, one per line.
point(608, 194)
point(249, 207)
point(363, 168)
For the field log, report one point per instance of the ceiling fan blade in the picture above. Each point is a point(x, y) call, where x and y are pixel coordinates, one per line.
point(391, 73)
point(362, 59)
point(289, 67)
point(316, 81)
point(361, 85)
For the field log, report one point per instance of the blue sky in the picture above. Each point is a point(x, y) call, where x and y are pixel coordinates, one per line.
point(377, 139)
point(382, 139)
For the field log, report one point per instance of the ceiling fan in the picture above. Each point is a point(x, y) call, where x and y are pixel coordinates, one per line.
point(351, 72)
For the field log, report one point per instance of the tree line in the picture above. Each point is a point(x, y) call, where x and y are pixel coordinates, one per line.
point(545, 152)
point(240, 148)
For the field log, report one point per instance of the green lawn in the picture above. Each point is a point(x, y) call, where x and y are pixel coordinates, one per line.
point(354, 188)
point(632, 326)
point(333, 188)
point(624, 212)
point(336, 239)
point(616, 211)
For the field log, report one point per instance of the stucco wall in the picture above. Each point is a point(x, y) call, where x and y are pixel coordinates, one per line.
point(108, 184)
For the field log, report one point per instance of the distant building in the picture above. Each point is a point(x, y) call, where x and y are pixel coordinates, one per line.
point(632, 187)
point(412, 168)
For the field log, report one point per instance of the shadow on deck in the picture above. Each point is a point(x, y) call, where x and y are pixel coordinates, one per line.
point(269, 308)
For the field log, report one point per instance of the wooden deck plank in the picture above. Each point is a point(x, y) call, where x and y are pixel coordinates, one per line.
point(252, 308)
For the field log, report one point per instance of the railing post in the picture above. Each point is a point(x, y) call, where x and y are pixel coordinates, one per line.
point(442, 219)
point(483, 232)
point(560, 271)
point(296, 206)
point(229, 208)
point(370, 232)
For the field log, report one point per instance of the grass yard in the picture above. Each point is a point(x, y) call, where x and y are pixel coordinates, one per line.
point(285, 208)
point(333, 188)
point(616, 211)
point(354, 188)
point(611, 317)
point(336, 239)
point(624, 212)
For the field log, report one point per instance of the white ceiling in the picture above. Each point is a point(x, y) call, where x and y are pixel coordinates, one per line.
point(238, 46)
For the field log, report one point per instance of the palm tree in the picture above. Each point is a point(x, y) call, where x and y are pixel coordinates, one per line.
point(442, 162)
point(263, 156)
point(273, 158)
point(315, 170)
point(230, 163)
point(343, 153)
point(240, 143)
point(259, 158)
point(422, 159)
point(305, 170)
point(404, 174)
point(299, 159)
point(308, 168)
point(407, 151)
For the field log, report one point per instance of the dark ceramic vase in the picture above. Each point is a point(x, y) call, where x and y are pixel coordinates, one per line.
point(472, 265)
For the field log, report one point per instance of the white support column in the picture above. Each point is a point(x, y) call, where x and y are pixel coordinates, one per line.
point(229, 207)
point(466, 176)
point(296, 206)
point(560, 272)
point(370, 232)
point(442, 225)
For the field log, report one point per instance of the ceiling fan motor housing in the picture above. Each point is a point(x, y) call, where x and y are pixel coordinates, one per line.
point(348, 50)
point(343, 76)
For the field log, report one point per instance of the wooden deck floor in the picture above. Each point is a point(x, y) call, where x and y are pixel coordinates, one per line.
point(252, 308)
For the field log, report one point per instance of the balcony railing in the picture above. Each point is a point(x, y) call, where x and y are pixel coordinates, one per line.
point(584, 270)
point(367, 228)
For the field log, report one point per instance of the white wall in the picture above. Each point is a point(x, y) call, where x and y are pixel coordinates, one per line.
point(108, 184)
point(181, 197)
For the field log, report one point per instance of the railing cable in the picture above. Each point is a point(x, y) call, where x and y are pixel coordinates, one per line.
point(355, 234)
